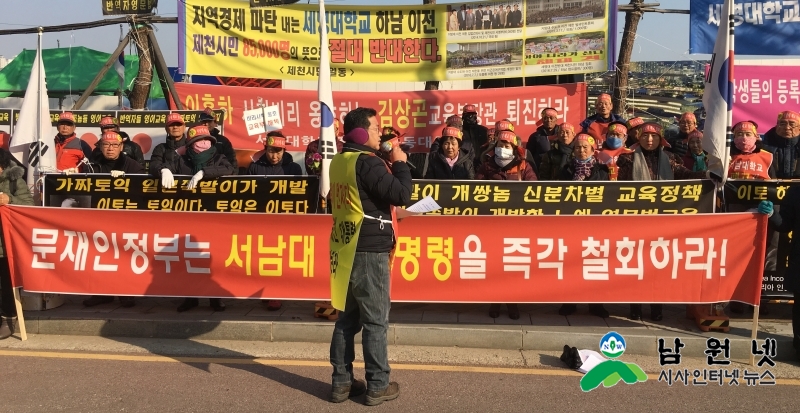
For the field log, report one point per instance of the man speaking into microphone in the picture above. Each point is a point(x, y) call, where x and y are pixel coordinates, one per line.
point(364, 192)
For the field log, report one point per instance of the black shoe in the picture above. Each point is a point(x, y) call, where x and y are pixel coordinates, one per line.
point(391, 392)
point(494, 310)
point(636, 312)
point(7, 325)
point(188, 304)
point(341, 394)
point(216, 304)
point(598, 310)
point(567, 309)
point(127, 302)
point(513, 311)
point(97, 300)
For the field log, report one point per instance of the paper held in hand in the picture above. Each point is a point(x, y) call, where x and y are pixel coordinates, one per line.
point(262, 120)
point(422, 206)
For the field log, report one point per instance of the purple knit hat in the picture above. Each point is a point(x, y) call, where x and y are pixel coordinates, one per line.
point(358, 136)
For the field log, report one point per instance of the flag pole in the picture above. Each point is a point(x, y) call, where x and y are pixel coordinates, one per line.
point(731, 80)
point(39, 106)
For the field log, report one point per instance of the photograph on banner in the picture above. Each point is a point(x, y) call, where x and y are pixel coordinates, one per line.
point(762, 27)
point(419, 114)
point(226, 38)
point(761, 92)
point(584, 52)
point(485, 59)
point(273, 195)
point(486, 20)
point(547, 17)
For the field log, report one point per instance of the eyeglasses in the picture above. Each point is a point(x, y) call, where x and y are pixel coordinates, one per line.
point(111, 145)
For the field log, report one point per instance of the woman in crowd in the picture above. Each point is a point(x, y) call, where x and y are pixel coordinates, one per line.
point(554, 161)
point(13, 191)
point(505, 161)
point(201, 160)
point(696, 159)
point(584, 167)
point(451, 161)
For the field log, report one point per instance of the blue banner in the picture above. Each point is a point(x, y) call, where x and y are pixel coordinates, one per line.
point(761, 27)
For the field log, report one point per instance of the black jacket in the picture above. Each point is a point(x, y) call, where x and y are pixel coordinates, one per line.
point(261, 166)
point(599, 172)
point(679, 144)
point(788, 219)
point(539, 143)
point(165, 156)
point(438, 168)
point(217, 166)
point(129, 148)
point(554, 161)
point(225, 147)
point(123, 163)
point(379, 189)
point(785, 154)
point(474, 136)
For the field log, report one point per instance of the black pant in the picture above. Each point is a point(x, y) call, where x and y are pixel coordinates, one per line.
point(7, 307)
point(654, 308)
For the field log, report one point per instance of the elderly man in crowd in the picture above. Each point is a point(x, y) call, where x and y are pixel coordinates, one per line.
point(784, 142)
point(597, 124)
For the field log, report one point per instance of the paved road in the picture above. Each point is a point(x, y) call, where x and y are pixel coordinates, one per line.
point(39, 381)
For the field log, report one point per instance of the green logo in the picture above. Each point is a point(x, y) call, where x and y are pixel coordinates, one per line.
point(610, 372)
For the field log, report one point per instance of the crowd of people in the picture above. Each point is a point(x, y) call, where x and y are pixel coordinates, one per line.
point(603, 147)
point(501, 16)
point(537, 16)
point(463, 59)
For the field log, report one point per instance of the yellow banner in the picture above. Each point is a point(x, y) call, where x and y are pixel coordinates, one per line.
point(348, 215)
point(488, 39)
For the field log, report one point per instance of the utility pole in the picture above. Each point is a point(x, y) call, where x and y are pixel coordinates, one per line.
point(432, 84)
point(633, 13)
point(141, 86)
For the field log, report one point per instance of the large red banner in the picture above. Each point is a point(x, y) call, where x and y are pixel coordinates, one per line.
point(671, 259)
point(420, 114)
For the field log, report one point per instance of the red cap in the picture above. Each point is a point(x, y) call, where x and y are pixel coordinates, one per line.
point(276, 142)
point(568, 126)
point(650, 127)
point(108, 122)
point(688, 116)
point(603, 96)
point(111, 136)
point(788, 115)
point(469, 109)
point(634, 122)
point(66, 117)
point(585, 137)
point(175, 118)
point(746, 126)
point(452, 131)
point(618, 127)
point(504, 125)
point(550, 112)
point(507, 136)
point(694, 134)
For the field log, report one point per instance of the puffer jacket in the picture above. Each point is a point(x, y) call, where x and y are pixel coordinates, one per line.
point(166, 156)
point(785, 152)
point(20, 195)
point(518, 170)
point(217, 166)
point(438, 168)
point(261, 166)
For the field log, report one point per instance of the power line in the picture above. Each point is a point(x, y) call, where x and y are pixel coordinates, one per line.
point(89, 25)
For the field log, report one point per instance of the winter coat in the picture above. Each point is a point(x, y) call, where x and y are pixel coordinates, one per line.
point(600, 172)
point(70, 151)
point(788, 219)
point(688, 160)
point(517, 170)
point(378, 189)
point(165, 156)
point(587, 123)
point(554, 161)
point(785, 154)
point(438, 168)
point(679, 145)
point(225, 147)
point(540, 142)
point(625, 163)
point(287, 166)
point(216, 167)
point(122, 163)
point(474, 136)
point(18, 195)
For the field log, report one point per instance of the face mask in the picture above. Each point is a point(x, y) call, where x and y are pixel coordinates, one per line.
point(614, 142)
point(587, 160)
point(503, 156)
point(745, 144)
point(201, 145)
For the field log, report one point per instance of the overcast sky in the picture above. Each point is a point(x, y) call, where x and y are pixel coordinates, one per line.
point(660, 36)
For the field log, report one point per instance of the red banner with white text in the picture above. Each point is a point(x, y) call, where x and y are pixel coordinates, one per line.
point(610, 259)
point(419, 114)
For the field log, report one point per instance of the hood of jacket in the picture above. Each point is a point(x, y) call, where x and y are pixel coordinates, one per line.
point(13, 172)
